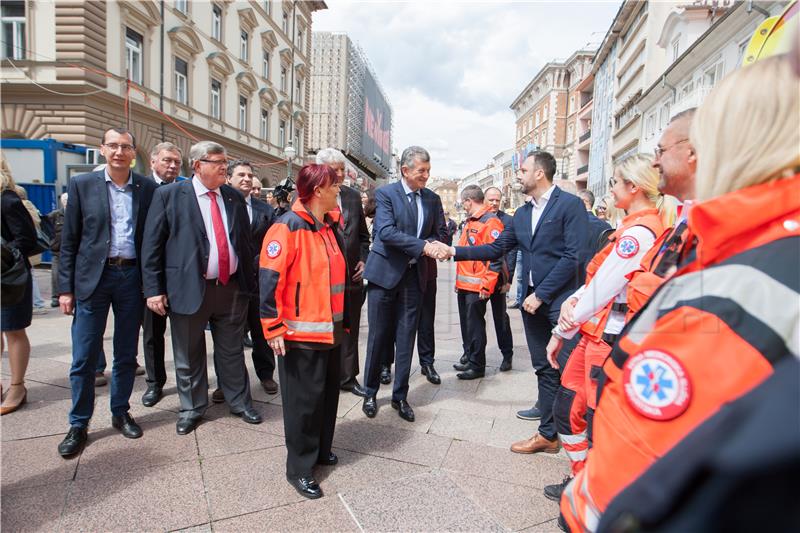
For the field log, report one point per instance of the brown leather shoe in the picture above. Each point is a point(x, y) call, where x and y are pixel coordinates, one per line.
point(536, 444)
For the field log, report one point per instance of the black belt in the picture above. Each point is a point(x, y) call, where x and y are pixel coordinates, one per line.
point(620, 307)
point(609, 339)
point(120, 261)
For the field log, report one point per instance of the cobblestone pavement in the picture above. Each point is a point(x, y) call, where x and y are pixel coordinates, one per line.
point(451, 470)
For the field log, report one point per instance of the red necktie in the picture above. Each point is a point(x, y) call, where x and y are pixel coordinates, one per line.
point(223, 257)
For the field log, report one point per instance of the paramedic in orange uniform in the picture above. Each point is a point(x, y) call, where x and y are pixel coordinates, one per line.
point(714, 331)
point(302, 277)
point(598, 308)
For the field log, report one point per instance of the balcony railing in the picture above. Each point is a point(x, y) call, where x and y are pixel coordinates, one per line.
point(585, 136)
point(582, 170)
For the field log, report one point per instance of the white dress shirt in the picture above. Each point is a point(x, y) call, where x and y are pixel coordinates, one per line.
point(204, 201)
point(536, 214)
point(418, 196)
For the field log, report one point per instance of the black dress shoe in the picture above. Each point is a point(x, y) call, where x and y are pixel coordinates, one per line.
point(251, 416)
point(184, 426)
point(152, 395)
point(464, 359)
point(505, 366)
point(127, 426)
point(404, 410)
point(461, 366)
point(358, 390)
point(73, 442)
point(218, 396)
point(306, 486)
point(332, 459)
point(348, 385)
point(470, 374)
point(429, 372)
point(370, 407)
point(386, 375)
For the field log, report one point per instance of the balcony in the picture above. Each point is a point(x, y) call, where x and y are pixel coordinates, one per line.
point(585, 136)
point(583, 170)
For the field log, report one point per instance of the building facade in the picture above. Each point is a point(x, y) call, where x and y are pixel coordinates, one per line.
point(448, 192)
point(234, 72)
point(579, 66)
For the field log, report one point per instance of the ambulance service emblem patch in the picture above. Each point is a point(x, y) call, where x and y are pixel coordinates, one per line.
point(471, 239)
point(273, 249)
point(495, 233)
point(657, 385)
point(627, 247)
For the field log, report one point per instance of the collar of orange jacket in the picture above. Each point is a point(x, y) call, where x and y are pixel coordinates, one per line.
point(303, 212)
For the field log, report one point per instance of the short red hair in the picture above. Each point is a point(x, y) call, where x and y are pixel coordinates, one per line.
point(312, 176)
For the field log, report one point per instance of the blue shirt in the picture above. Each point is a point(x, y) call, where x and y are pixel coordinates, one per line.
point(120, 204)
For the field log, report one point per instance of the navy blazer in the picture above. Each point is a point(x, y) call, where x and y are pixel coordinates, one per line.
point(86, 234)
point(176, 247)
point(355, 234)
point(395, 241)
point(552, 255)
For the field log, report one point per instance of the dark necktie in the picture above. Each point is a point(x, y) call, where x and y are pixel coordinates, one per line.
point(223, 258)
point(414, 210)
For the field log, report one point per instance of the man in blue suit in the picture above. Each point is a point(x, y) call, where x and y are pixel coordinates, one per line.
point(551, 233)
point(101, 245)
point(408, 219)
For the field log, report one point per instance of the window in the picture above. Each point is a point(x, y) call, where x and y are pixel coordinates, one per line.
point(676, 49)
point(282, 133)
point(297, 141)
point(268, 7)
point(285, 23)
point(544, 112)
point(134, 46)
point(571, 105)
point(263, 130)
point(300, 39)
point(570, 133)
point(182, 6)
point(243, 113)
point(537, 119)
point(216, 22)
point(13, 23)
point(244, 45)
point(742, 50)
point(650, 125)
point(283, 79)
point(298, 92)
point(663, 116)
point(181, 81)
point(686, 91)
point(265, 64)
point(216, 99)
point(712, 75)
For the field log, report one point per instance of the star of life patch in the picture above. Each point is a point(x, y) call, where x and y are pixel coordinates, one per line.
point(471, 239)
point(495, 233)
point(656, 385)
point(627, 247)
point(273, 249)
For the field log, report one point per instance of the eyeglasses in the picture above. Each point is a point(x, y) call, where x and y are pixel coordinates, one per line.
point(214, 161)
point(660, 151)
point(125, 147)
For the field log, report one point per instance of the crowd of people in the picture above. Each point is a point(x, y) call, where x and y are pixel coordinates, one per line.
point(638, 333)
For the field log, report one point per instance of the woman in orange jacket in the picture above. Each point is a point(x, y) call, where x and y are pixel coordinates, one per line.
point(302, 287)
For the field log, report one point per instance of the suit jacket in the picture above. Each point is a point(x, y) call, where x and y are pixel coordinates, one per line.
point(354, 234)
point(395, 240)
point(263, 217)
point(552, 255)
point(176, 247)
point(86, 234)
point(511, 257)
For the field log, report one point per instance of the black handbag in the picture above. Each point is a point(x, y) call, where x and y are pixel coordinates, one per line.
point(42, 243)
point(14, 275)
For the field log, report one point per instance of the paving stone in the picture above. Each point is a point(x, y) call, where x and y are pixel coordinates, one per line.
point(387, 416)
point(214, 438)
point(532, 470)
point(37, 419)
point(326, 514)
point(356, 470)
point(464, 402)
point(391, 443)
point(34, 462)
point(39, 391)
point(202, 528)
point(272, 417)
point(551, 526)
point(34, 508)
point(119, 502)
point(462, 426)
point(506, 431)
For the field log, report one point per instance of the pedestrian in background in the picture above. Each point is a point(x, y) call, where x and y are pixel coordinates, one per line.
point(57, 222)
point(18, 232)
point(36, 216)
point(303, 275)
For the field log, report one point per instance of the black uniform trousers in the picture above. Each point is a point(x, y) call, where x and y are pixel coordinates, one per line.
point(502, 324)
point(310, 397)
point(263, 358)
point(472, 317)
point(349, 367)
point(154, 326)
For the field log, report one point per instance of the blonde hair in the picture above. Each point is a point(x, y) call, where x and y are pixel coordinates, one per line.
point(6, 181)
point(746, 131)
point(638, 169)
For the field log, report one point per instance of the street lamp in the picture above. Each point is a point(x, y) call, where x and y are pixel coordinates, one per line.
point(289, 152)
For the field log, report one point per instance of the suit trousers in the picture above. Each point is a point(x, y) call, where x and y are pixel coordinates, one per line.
point(426, 345)
point(310, 395)
point(472, 317)
point(349, 358)
point(502, 324)
point(154, 326)
point(263, 357)
point(393, 319)
point(120, 289)
point(224, 307)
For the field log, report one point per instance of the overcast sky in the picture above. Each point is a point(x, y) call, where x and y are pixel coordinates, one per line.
point(452, 68)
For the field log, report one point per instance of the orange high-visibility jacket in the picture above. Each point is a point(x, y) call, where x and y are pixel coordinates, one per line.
point(706, 337)
point(476, 276)
point(302, 278)
point(650, 219)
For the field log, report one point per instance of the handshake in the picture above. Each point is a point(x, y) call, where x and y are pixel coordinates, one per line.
point(438, 250)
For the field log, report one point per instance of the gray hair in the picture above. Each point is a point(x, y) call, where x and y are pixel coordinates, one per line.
point(472, 192)
point(587, 196)
point(411, 154)
point(169, 147)
point(330, 156)
point(490, 188)
point(202, 149)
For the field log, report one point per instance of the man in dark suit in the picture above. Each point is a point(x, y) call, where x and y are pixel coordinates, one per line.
point(165, 162)
point(551, 233)
point(197, 263)
point(101, 246)
point(261, 215)
point(356, 249)
point(408, 219)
